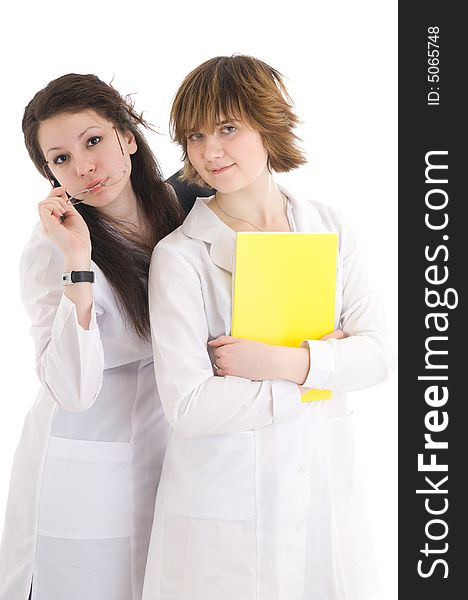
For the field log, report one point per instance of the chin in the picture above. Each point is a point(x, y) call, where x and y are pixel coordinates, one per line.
point(99, 201)
point(227, 187)
point(230, 190)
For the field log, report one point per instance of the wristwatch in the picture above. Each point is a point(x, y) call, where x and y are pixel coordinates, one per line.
point(69, 277)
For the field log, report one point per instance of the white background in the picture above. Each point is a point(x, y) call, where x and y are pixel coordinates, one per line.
point(339, 58)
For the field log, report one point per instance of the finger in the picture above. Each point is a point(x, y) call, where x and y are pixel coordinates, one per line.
point(222, 340)
point(222, 357)
point(329, 336)
point(337, 335)
point(58, 192)
point(215, 343)
point(60, 189)
point(70, 210)
point(61, 204)
point(51, 209)
point(56, 200)
point(216, 368)
point(70, 205)
point(51, 205)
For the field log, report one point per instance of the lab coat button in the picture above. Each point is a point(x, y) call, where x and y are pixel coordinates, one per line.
point(302, 469)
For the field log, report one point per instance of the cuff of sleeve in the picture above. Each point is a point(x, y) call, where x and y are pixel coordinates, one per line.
point(322, 363)
point(71, 308)
point(286, 400)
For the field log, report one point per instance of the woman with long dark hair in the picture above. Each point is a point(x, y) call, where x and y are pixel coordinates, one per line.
point(88, 464)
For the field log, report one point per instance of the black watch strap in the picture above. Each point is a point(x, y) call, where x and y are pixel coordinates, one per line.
point(69, 277)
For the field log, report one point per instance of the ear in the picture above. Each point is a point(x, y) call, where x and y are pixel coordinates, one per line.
point(130, 141)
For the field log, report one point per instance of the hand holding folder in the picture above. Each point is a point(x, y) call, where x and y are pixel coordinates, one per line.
point(284, 289)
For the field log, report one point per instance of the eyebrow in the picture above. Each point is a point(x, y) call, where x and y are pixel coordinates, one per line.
point(79, 137)
point(195, 129)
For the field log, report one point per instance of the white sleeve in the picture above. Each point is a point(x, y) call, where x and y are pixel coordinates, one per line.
point(364, 357)
point(195, 401)
point(69, 359)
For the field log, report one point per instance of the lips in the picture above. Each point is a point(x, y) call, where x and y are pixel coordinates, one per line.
point(220, 170)
point(95, 183)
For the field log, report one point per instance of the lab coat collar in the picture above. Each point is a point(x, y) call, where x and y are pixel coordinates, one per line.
point(202, 224)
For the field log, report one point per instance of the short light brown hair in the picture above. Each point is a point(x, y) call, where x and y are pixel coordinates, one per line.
point(242, 88)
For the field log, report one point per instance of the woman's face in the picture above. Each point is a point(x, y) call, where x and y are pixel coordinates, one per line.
point(229, 159)
point(82, 150)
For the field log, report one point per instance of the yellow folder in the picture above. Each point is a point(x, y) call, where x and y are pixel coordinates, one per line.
point(284, 289)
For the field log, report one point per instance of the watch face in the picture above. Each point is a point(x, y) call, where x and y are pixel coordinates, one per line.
point(66, 278)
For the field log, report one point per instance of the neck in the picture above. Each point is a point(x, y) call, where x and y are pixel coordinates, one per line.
point(261, 203)
point(126, 209)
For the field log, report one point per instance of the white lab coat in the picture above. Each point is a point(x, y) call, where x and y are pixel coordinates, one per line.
point(88, 463)
point(259, 496)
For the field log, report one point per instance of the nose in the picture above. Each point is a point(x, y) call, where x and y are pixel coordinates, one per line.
point(84, 166)
point(213, 148)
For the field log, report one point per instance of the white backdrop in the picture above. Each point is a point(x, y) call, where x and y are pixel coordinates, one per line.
point(339, 58)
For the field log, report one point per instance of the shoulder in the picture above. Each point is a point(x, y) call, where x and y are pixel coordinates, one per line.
point(177, 251)
point(330, 217)
point(334, 220)
point(174, 243)
point(192, 243)
point(312, 215)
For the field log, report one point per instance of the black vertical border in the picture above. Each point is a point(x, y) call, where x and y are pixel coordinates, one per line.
point(422, 129)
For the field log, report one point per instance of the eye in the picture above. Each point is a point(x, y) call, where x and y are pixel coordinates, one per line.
point(93, 141)
point(60, 159)
point(195, 137)
point(228, 129)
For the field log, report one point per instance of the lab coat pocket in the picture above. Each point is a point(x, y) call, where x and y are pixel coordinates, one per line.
point(213, 476)
point(208, 559)
point(86, 490)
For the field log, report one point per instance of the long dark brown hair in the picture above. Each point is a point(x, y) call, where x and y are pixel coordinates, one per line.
point(122, 257)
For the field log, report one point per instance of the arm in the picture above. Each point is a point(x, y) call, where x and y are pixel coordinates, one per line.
point(363, 357)
point(354, 357)
point(195, 401)
point(259, 361)
point(63, 224)
point(69, 357)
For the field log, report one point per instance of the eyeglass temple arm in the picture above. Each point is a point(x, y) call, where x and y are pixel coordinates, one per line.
point(118, 139)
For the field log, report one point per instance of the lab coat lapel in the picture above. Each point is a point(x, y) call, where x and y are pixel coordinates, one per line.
point(202, 224)
point(223, 248)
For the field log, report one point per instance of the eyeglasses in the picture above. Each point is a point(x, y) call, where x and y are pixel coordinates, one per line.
point(108, 181)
